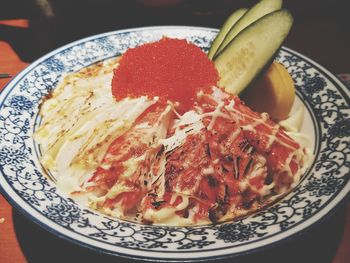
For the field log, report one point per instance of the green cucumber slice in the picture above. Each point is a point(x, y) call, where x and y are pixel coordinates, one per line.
point(233, 18)
point(260, 9)
point(253, 48)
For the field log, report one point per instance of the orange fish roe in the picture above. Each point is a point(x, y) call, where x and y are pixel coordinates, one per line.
point(171, 69)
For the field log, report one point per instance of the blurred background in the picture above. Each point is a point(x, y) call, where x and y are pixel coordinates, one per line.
point(321, 29)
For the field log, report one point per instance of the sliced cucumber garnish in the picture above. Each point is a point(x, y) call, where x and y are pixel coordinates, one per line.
point(224, 30)
point(254, 13)
point(249, 52)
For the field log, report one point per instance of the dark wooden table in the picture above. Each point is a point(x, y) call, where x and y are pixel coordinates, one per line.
point(319, 32)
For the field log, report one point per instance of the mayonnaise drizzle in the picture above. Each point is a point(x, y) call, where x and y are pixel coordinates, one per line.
point(298, 153)
point(189, 123)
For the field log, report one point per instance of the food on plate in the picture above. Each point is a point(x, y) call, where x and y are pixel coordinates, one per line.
point(252, 50)
point(256, 12)
point(273, 92)
point(152, 137)
point(243, 51)
point(170, 69)
point(232, 20)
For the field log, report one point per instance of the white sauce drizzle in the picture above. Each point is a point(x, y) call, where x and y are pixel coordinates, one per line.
point(215, 114)
point(189, 123)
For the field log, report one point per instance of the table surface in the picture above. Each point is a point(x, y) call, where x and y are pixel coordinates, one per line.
point(23, 241)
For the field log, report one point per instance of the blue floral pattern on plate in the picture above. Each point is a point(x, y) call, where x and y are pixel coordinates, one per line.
point(24, 183)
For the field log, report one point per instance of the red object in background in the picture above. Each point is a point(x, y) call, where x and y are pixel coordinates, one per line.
point(22, 23)
point(9, 61)
point(171, 69)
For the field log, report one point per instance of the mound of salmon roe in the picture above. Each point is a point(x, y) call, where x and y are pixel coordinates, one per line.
point(171, 69)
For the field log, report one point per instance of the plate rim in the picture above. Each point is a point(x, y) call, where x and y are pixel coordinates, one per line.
point(319, 217)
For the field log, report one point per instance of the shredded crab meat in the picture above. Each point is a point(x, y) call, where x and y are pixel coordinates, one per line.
point(150, 159)
point(200, 167)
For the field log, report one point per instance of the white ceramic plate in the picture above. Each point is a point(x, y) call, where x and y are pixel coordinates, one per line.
point(326, 184)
